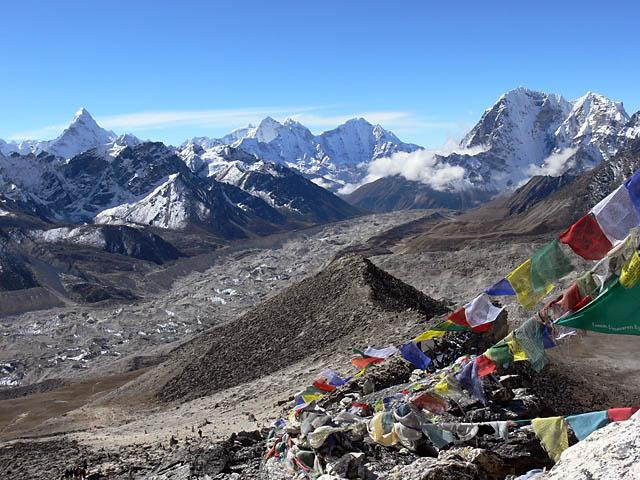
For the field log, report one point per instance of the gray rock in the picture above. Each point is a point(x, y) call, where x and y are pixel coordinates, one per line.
point(611, 453)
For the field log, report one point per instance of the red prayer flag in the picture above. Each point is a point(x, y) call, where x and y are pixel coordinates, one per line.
point(569, 301)
point(459, 318)
point(485, 366)
point(570, 298)
point(621, 414)
point(582, 303)
point(361, 362)
point(429, 401)
point(481, 328)
point(586, 238)
point(323, 385)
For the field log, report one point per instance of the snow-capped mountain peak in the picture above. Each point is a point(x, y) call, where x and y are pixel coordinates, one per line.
point(593, 125)
point(332, 159)
point(82, 134)
point(268, 130)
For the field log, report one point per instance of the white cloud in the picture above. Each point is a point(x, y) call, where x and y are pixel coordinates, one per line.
point(555, 164)
point(422, 166)
point(50, 131)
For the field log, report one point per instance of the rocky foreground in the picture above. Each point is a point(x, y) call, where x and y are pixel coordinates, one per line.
point(520, 393)
point(311, 325)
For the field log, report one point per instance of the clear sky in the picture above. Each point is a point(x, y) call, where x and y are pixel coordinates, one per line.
point(169, 70)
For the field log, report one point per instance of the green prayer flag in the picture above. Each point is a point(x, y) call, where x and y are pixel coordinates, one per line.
point(615, 310)
point(529, 335)
point(548, 265)
point(500, 353)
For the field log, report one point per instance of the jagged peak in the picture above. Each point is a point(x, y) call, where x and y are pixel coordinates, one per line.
point(82, 114)
point(269, 121)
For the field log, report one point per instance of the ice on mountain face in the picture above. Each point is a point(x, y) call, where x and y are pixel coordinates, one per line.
point(533, 132)
point(168, 206)
point(593, 124)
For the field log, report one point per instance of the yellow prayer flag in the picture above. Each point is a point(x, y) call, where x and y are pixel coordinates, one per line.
point(553, 435)
point(631, 271)
point(377, 431)
point(311, 398)
point(520, 280)
point(429, 334)
point(439, 330)
point(442, 386)
point(517, 351)
point(361, 372)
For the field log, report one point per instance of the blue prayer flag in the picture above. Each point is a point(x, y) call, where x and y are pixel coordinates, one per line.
point(547, 340)
point(413, 354)
point(501, 288)
point(633, 187)
point(585, 423)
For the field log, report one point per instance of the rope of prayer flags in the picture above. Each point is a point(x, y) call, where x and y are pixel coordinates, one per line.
point(477, 316)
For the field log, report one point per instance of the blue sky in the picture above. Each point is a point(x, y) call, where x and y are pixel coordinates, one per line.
point(426, 70)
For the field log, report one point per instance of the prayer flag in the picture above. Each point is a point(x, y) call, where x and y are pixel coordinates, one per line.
point(586, 284)
point(380, 352)
point(363, 362)
point(615, 310)
point(459, 318)
point(381, 429)
point(520, 280)
point(470, 381)
point(416, 356)
point(440, 330)
point(519, 355)
point(633, 187)
point(586, 423)
point(333, 378)
point(547, 339)
point(442, 386)
point(481, 311)
point(621, 414)
point(324, 386)
point(429, 401)
point(553, 435)
point(438, 436)
point(500, 353)
point(566, 302)
point(485, 366)
point(530, 340)
point(616, 214)
point(630, 271)
point(585, 237)
point(548, 264)
point(500, 288)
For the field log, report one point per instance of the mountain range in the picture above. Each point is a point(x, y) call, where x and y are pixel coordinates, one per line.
point(332, 159)
point(264, 177)
point(525, 134)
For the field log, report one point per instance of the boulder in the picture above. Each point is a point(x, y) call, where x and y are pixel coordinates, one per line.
point(611, 453)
